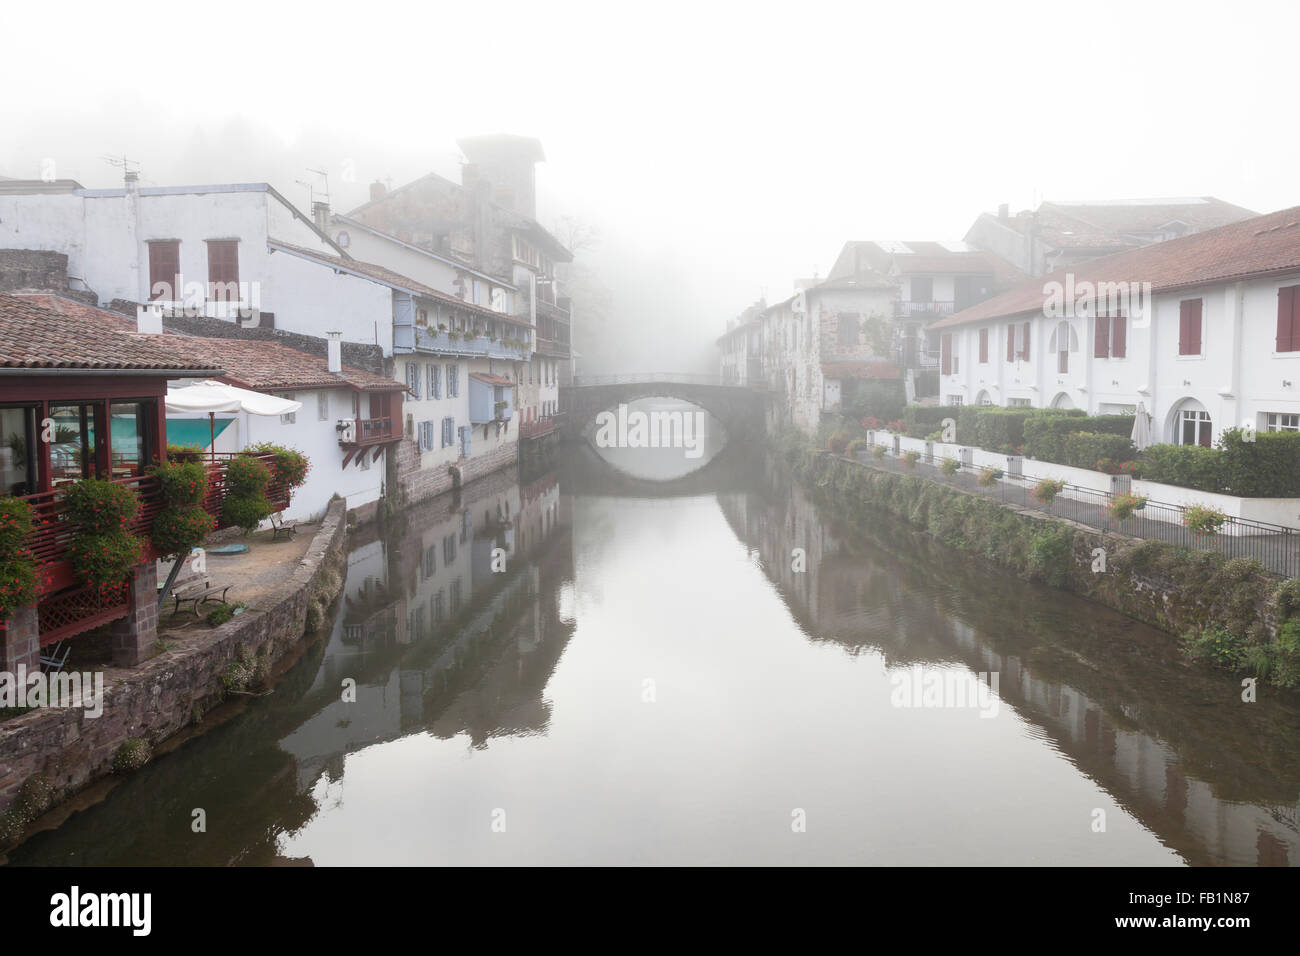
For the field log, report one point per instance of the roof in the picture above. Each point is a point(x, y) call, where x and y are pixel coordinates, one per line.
point(252, 363)
point(271, 367)
point(455, 264)
point(396, 280)
point(490, 379)
point(37, 335)
point(1253, 248)
point(873, 369)
point(889, 256)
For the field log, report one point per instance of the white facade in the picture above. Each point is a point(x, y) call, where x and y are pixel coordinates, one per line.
point(1236, 377)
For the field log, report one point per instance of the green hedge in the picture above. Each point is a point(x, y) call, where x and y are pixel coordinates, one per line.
point(1085, 449)
point(1045, 435)
point(1268, 467)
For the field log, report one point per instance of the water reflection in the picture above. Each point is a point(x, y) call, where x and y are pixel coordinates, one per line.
point(650, 679)
point(657, 439)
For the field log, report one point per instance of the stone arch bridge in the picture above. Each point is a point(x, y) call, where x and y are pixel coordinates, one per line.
point(738, 408)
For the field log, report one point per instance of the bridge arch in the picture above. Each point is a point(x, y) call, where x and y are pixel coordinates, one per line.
point(739, 409)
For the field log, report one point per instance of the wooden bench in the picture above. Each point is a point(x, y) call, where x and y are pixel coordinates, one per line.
point(279, 526)
point(200, 595)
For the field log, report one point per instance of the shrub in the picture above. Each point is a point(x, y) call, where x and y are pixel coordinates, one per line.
point(1045, 435)
point(910, 458)
point(871, 423)
point(877, 451)
point(183, 484)
point(1047, 490)
point(178, 531)
point(289, 467)
point(895, 426)
point(1202, 520)
point(950, 466)
point(1131, 468)
point(989, 476)
point(100, 506)
point(1266, 467)
point(1086, 449)
point(878, 399)
point(245, 504)
point(17, 566)
point(132, 755)
point(184, 453)
point(1051, 555)
point(838, 442)
point(1215, 645)
point(1190, 466)
point(1122, 506)
point(222, 613)
point(857, 445)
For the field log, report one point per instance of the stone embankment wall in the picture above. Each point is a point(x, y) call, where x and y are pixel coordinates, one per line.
point(49, 754)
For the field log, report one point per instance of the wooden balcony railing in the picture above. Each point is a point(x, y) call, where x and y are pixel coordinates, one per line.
point(53, 531)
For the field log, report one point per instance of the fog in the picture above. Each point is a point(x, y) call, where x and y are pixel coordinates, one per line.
point(715, 151)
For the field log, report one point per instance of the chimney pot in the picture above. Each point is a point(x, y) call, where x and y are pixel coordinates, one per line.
point(148, 319)
point(320, 212)
point(377, 190)
point(335, 352)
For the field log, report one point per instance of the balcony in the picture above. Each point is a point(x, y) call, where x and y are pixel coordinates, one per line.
point(464, 344)
point(904, 309)
point(550, 310)
point(551, 348)
point(540, 427)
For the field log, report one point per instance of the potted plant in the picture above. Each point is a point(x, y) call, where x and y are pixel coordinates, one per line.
point(1123, 505)
point(1047, 490)
point(989, 476)
point(910, 458)
point(1202, 520)
point(950, 466)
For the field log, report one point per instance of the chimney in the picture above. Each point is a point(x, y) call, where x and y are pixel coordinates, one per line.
point(377, 190)
point(468, 174)
point(335, 352)
point(1004, 212)
point(320, 212)
point(132, 179)
point(148, 319)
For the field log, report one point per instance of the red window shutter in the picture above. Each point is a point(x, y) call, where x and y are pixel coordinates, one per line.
point(1025, 354)
point(223, 264)
point(945, 354)
point(984, 346)
point(165, 267)
point(1286, 310)
point(1119, 338)
point(1101, 337)
point(1011, 343)
point(1189, 327)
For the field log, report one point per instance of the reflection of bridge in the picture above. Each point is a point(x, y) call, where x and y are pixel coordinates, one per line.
point(736, 468)
point(739, 409)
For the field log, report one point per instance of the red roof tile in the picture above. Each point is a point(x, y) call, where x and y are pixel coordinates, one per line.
point(1261, 246)
point(66, 334)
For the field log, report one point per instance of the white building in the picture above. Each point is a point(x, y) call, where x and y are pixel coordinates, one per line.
point(1217, 346)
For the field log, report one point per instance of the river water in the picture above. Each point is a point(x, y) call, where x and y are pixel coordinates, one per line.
point(707, 671)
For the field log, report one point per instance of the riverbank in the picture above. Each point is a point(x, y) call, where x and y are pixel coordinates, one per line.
point(49, 755)
point(1229, 613)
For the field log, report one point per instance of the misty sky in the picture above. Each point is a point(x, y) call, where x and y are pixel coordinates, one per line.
point(721, 149)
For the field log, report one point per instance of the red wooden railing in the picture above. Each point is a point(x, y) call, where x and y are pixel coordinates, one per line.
point(52, 530)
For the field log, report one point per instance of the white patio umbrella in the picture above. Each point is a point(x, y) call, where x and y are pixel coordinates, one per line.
point(211, 396)
point(1141, 428)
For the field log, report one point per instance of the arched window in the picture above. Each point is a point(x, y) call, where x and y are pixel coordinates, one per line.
point(1193, 425)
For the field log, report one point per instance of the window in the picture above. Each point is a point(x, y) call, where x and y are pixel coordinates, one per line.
point(413, 378)
point(953, 400)
point(1063, 347)
point(435, 381)
point(449, 557)
point(165, 271)
point(1281, 422)
point(18, 470)
point(1288, 319)
point(984, 346)
point(323, 406)
point(1019, 402)
point(1024, 341)
point(448, 432)
point(223, 270)
point(292, 417)
point(429, 563)
point(453, 380)
point(1189, 327)
point(1196, 426)
point(848, 328)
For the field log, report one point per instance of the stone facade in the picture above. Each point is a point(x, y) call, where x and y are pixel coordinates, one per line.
point(168, 692)
point(20, 641)
point(37, 270)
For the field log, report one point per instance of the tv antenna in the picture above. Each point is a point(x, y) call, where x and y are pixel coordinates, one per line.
point(311, 188)
point(122, 163)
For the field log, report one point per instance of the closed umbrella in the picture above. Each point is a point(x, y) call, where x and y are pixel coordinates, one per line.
point(211, 396)
point(1141, 428)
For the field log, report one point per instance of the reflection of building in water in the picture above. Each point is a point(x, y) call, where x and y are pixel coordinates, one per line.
point(1153, 749)
point(433, 636)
